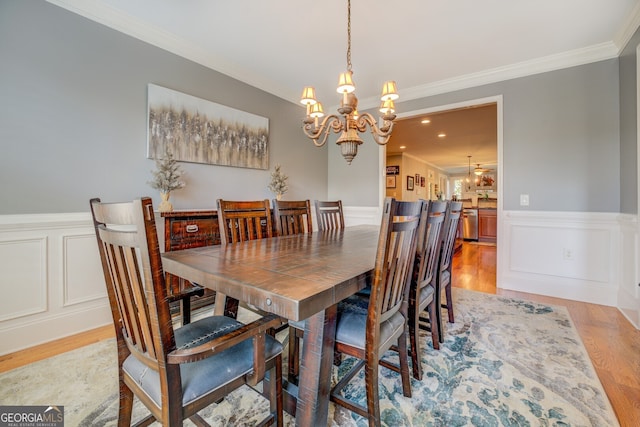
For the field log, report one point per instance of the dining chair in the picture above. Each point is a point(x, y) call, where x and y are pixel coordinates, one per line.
point(241, 221)
point(292, 217)
point(174, 372)
point(367, 330)
point(443, 283)
point(329, 214)
point(423, 281)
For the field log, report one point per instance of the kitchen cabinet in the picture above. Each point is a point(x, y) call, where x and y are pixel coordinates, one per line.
point(487, 225)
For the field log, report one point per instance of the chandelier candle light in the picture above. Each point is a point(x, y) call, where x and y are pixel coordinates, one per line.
point(351, 123)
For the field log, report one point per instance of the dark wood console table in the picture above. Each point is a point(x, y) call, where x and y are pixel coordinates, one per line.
point(184, 230)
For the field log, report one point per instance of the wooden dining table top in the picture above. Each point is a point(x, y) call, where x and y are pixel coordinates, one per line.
point(291, 276)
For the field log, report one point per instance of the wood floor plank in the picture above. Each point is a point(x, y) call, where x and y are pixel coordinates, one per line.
point(43, 351)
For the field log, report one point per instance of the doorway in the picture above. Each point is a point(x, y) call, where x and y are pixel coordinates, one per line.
point(434, 183)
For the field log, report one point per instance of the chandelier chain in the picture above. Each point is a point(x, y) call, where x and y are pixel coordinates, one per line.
point(349, 35)
point(350, 123)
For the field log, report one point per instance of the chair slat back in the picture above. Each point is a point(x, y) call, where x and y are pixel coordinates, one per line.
point(452, 218)
point(394, 261)
point(429, 243)
point(244, 220)
point(329, 215)
point(292, 217)
point(132, 267)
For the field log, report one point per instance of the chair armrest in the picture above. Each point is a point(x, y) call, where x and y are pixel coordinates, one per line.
point(256, 329)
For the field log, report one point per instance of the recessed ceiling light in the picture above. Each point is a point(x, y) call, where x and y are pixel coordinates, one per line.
point(402, 147)
point(425, 121)
point(442, 135)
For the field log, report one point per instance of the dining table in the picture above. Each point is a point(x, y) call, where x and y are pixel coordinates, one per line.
point(299, 277)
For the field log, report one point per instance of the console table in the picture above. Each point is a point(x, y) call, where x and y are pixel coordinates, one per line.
point(184, 230)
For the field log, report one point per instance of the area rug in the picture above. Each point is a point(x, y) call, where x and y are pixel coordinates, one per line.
point(505, 362)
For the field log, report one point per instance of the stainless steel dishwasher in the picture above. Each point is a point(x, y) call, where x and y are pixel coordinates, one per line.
point(470, 224)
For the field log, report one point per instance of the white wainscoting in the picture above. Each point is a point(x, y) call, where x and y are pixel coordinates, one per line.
point(580, 256)
point(51, 279)
point(52, 284)
point(358, 215)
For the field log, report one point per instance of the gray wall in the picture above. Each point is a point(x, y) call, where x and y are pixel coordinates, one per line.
point(629, 127)
point(73, 100)
point(73, 126)
point(561, 140)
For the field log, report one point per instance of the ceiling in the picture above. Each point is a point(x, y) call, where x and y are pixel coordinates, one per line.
point(469, 131)
point(426, 46)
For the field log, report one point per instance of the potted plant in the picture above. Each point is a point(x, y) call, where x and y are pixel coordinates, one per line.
point(278, 184)
point(166, 178)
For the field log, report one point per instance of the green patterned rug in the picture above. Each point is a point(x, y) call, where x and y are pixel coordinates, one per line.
point(505, 362)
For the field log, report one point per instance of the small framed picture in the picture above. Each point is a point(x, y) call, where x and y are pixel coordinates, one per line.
point(422, 181)
point(391, 181)
point(409, 183)
point(418, 179)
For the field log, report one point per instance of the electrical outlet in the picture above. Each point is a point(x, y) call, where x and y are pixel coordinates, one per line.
point(524, 200)
point(567, 254)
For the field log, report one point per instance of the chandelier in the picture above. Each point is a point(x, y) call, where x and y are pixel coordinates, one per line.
point(350, 122)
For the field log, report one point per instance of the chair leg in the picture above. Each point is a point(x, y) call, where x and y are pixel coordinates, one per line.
point(371, 385)
point(404, 364)
point(414, 340)
point(294, 356)
point(185, 307)
point(272, 389)
point(449, 305)
point(125, 405)
point(438, 310)
point(434, 325)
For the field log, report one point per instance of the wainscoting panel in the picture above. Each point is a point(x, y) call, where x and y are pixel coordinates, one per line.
point(629, 291)
point(556, 251)
point(570, 255)
point(51, 280)
point(23, 263)
point(359, 215)
point(82, 281)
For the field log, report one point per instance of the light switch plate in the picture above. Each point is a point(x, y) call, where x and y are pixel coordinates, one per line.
point(524, 200)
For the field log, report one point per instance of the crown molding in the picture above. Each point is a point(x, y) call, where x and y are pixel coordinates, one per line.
point(112, 18)
point(559, 61)
point(628, 29)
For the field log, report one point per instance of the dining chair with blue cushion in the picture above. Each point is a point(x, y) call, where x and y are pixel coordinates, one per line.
point(239, 221)
point(422, 293)
point(366, 329)
point(292, 217)
point(329, 214)
point(174, 372)
point(452, 217)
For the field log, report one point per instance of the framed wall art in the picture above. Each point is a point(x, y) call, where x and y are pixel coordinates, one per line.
point(200, 131)
point(391, 181)
point(409, 183)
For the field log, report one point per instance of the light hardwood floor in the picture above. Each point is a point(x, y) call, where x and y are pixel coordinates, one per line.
point(612, 342)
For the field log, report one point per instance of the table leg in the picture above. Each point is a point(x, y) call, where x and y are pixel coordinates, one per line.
point(314, 384)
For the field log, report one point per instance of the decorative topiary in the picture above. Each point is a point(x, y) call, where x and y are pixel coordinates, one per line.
point(166, 178)
point(278, 183)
